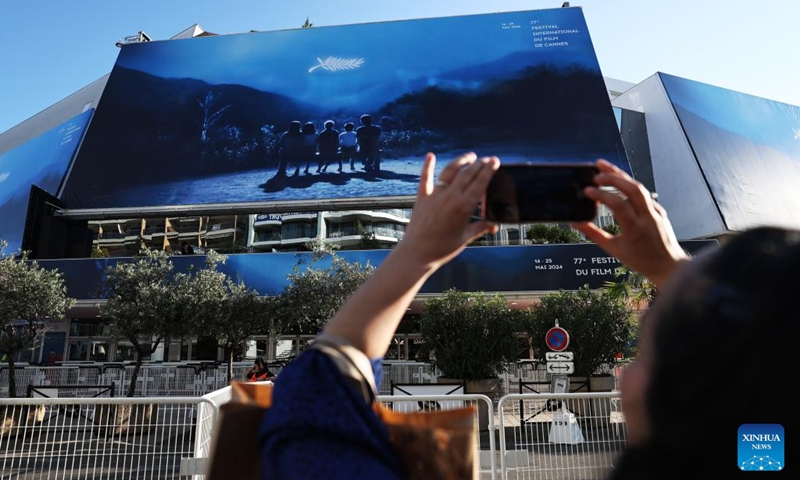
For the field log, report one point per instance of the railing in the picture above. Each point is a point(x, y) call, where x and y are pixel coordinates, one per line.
point(121, 438)
point(196, 379)
point(522, 436)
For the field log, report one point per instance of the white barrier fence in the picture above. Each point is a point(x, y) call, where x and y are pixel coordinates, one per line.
point(523, 436)
point(98, 438)
point(196, 379)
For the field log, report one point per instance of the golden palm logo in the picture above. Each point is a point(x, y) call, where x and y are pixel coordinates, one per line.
point(334, 64)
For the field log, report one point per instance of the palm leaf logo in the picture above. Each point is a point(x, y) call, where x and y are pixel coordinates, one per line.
point(333, 64)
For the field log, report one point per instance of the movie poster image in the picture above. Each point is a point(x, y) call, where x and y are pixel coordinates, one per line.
point(748, 148)
point(344, 112)
point(42, 161)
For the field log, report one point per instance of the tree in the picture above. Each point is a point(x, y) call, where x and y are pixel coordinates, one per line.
point(307, 24)
point(147, 304)
point(29, 295)
point(472, 336)
point(315, 294)
point(550, 234)
point(599, 327)
point(227, 310)
point(631, 287)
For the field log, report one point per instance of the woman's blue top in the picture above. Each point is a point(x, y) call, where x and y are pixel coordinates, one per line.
point(320, 427)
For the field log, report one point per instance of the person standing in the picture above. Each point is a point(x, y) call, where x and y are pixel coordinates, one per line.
point(329, 147)
point(290, 147)
point(259, 372)
point(310, 143)
point(369, 143)
point(349, 144)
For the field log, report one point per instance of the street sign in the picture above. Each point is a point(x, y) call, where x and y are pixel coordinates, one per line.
point(558, 356)
point(560, 368)
point(557, 339)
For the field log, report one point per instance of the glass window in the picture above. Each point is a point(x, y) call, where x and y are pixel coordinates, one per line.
point(89, 328)
point(98, 351)
point(299, 230)
point(126, 353)
point(78, 350)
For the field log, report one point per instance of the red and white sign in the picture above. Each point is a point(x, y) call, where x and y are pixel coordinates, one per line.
point(557, 339)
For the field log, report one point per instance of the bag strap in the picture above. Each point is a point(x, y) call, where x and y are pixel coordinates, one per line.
point(348, 366)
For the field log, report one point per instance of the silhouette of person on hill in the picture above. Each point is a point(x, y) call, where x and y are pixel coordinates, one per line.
point(290, 148)
point(310, 140)
point(349, 143)
point(329, 147)
point(369, 141)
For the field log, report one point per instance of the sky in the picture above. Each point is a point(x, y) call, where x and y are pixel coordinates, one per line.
point(51, 48)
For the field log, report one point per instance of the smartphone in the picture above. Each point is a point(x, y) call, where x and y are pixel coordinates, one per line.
point(539, 193)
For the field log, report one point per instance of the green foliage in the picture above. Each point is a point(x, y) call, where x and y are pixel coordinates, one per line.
point(612, 228)
point(225, 309)
point(472, 335)
point(314, 294)
point(29, 295)
point(631, 287)
point(148, 303)
point(368, 240)
point(551, 234)
point(598, 325)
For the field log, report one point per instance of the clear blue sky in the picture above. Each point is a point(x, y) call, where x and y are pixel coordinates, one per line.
point(51, 48)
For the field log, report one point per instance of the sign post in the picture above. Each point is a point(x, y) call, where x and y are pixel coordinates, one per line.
point(564, 427)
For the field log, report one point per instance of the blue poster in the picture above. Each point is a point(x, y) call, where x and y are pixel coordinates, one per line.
point(748, 149)
point(525, 268)
point(345, 112)
point(42, 161)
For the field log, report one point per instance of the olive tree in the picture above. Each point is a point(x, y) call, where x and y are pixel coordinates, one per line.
point(316, 292)
point(29, 295)
point(148, 304)
point(226, 309)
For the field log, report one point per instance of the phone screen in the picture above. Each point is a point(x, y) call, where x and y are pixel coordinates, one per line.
point(540, 193)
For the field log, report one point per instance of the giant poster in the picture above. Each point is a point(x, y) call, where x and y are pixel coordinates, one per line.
point(748, 149)
point(344, 113)
point(42, 161)
point(531, 268)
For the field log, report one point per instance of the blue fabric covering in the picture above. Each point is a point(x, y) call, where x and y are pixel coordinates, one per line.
point(319, 426)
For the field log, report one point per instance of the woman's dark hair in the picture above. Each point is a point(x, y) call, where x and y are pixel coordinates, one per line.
point(718, 350)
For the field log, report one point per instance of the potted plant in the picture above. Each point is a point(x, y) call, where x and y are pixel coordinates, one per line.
point(471, 337)
point(599, 326)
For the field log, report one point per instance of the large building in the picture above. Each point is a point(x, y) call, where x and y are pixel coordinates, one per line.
point(165, 152)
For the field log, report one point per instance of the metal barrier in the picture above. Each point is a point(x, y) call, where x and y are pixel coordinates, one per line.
point(560, 436)
point(541, 436)
point(108, 438)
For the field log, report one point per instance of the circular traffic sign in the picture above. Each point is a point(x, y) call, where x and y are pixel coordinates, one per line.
point(557, 339)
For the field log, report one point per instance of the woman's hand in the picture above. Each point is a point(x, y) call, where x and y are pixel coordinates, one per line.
point(646, 242)
point(441, 223)
point(440, 228)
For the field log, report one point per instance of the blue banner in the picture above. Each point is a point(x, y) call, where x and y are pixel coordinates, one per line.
point(245, 118)
point(42, 161)
point(530, 268)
